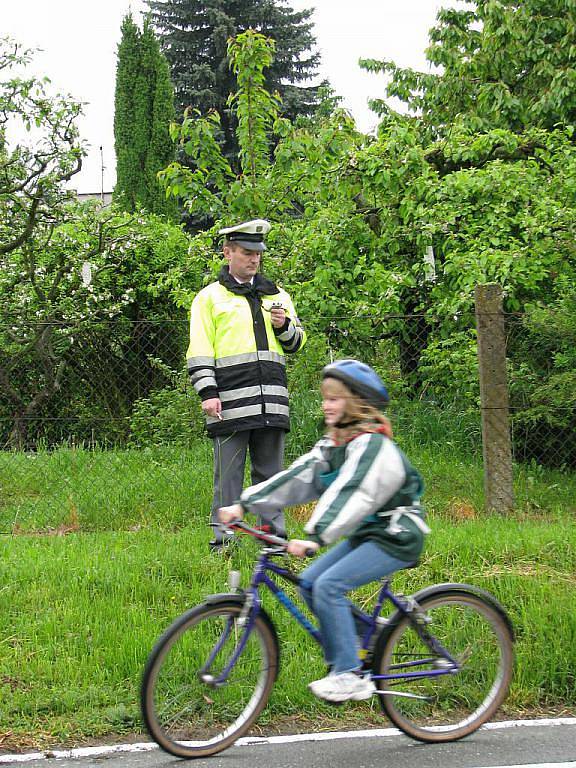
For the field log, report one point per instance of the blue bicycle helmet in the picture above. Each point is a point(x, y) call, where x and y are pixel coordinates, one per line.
point(360, 379)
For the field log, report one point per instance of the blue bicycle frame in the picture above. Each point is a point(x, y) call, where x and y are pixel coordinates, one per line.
point(404, 605)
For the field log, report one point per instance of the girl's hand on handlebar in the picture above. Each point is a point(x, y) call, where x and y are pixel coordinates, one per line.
point(301, 548)
point(230, 514)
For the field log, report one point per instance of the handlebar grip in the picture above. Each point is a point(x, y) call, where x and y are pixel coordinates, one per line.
point(310, 552)
point(267, 537)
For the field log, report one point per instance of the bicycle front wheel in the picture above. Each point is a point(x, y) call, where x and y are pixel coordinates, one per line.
point(206, 680)
point(437, 701)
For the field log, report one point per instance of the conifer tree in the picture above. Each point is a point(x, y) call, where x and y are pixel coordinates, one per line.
point(144, 108)
point(194, 36)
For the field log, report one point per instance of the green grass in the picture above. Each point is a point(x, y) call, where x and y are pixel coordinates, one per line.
point(104, 490)
point(163, 487)
point(81, 611)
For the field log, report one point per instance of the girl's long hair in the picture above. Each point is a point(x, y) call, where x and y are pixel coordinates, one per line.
point(358, 417)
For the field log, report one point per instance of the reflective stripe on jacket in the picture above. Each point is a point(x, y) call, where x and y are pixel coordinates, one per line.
point(237, 355)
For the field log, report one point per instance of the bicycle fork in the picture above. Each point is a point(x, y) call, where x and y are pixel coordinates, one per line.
point(240, 627)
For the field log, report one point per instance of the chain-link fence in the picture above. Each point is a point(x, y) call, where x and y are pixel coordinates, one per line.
point(78, 383)
point(98, 422)
point(542, 390)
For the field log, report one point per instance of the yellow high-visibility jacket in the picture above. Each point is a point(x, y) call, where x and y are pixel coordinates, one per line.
point(237, 355)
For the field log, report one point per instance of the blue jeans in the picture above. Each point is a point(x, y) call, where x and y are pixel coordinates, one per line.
point(324, 586)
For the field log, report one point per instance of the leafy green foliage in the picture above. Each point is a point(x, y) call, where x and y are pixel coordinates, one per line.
point(194, 35)
point(33, 172)
point(505, 64)
point(144, 107)
point(210, 187)
point(543, 379)
point(357, 215)
point(255, 108)
point(167, 416)
point(80, 314)
point(357, 218)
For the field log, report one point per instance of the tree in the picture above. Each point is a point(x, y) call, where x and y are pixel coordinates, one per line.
point(495, 131)
point(210, 186)
point(194, 37)
point(507, 64)
point(45, 311)
point(82, 317)
point(33, 174)
point(57, 351)
point(363, 211)
point(543, 379)
point(483, 128)
point(310, 184)
point(33, 195)
point(144, 107)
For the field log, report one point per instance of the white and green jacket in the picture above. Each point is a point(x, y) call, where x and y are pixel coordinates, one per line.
point(366, 490)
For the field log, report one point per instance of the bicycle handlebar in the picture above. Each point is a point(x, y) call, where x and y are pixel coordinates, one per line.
point(269, 538)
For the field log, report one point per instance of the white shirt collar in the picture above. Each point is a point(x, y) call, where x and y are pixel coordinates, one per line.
point(242, 282)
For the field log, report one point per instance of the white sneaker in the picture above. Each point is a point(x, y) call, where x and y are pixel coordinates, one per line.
point(345, 686)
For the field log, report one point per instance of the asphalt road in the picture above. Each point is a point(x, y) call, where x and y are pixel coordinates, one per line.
point(493, 747)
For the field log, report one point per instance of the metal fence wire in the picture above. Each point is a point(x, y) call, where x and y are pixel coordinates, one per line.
point(90, 413)
point(542, 391)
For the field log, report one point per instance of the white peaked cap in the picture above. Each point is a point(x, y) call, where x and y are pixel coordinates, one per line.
point(249, 234)
point(254, 227)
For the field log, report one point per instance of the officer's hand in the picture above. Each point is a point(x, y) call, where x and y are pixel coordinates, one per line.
point(301, 548)
point(277, 317)
point(231, 513)
point(213, 407)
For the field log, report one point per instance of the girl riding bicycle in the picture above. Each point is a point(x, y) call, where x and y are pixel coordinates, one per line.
point(368, 491)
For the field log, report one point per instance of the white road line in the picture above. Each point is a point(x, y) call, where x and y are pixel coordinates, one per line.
point(254, 740)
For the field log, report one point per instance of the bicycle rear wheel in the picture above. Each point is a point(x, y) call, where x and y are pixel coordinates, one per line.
point(186, 709)
point(446, 707)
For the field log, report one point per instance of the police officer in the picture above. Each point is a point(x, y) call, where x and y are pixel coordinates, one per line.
point(241, 327)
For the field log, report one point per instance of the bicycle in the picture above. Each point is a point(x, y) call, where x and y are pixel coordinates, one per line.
point(441, 662)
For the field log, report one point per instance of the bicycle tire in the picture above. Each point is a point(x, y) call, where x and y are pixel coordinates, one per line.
point(184, 713)
point(474, 629)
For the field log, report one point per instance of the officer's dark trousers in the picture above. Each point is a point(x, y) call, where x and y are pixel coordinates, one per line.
point(266, 449)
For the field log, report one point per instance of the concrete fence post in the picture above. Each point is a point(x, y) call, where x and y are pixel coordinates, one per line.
point(496, 442)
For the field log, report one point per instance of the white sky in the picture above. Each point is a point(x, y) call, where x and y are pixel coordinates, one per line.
point(79, 39)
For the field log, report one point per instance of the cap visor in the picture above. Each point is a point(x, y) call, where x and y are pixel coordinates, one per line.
point(249, 246)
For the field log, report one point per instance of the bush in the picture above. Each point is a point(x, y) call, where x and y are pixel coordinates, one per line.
point(304, 376)
point(543, 383)
point(166, 417)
